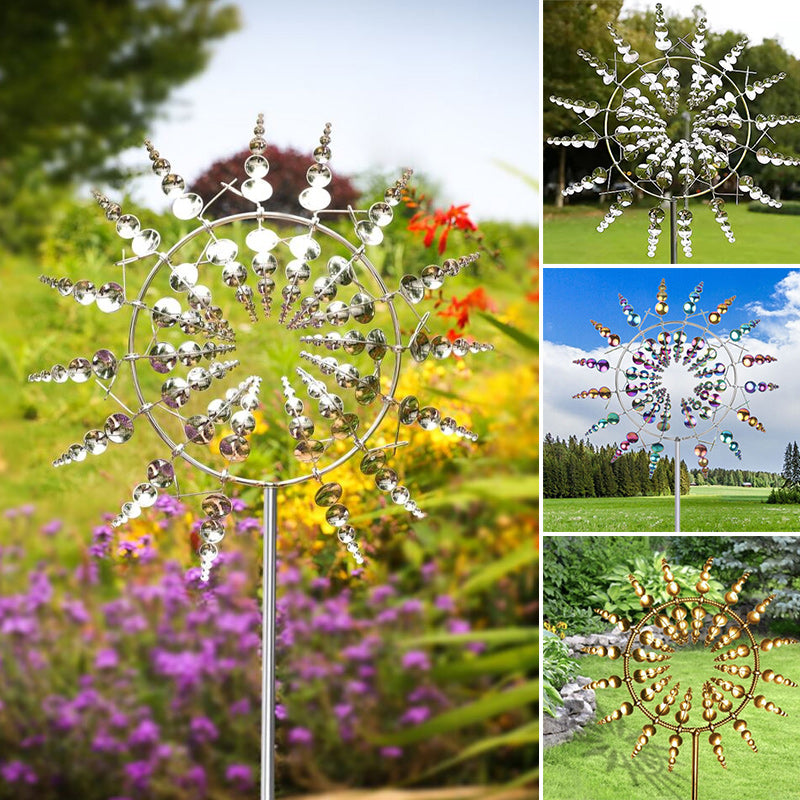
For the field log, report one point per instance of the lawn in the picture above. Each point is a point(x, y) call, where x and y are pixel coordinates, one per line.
point(597, 765)
point(707, 508)
point(569, 237)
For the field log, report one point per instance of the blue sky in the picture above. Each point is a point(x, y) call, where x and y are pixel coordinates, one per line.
point(444, 87)
point(572, 296)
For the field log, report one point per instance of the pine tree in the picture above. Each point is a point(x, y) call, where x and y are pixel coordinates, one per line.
point(795, 464)
point(787, 473)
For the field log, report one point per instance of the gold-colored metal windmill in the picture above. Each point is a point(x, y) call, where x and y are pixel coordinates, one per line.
point(681, 620)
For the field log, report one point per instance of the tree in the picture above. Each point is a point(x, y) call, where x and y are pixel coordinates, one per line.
point(795, 471)
point(287, 174)
point(82, 81)
point(787, 473)
point(568, 26)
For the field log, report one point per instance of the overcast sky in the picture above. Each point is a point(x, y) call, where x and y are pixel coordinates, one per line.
point(444, 87)
point(572, 296)
point(767, 19)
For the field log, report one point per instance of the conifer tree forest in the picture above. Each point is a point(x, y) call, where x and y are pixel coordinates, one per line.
point(577, 468)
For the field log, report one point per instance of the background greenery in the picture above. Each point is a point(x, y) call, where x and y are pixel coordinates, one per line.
point(121, 676)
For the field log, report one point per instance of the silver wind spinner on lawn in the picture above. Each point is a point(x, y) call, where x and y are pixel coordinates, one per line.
point(676, 128)
point(180, 340)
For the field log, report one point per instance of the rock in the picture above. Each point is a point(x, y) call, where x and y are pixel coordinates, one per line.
point(576, 712)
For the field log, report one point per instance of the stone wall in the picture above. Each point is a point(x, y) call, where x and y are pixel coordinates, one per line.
point(579, 704)
point(578, 710)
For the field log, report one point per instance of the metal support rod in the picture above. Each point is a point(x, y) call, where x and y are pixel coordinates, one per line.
point(673, 230)
point(270, 570)
point(695, 761)
point(677, 485)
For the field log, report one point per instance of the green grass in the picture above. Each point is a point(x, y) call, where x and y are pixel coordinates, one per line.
point(707, 508)
point(569, 237)
point(597, 764)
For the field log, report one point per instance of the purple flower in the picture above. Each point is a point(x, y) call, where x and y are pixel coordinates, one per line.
point(145, 733)
point(202, 729)
point(169, 505)
point(106, 659)
point(381, 593)
point(458, 626)
point(17, 772)
point(242, 707)
point(238, 504)
point(415, 715)
point(391, 752)
point(416, 659)
point(444, 603)
point(196, 778)
point(240, 775)
point(302, 736)
point(280, 711)
point(27, 509)
point(358, 652)
point(247, 524)
point(289, 576)
point(320, 583)
point(76, 610)
point(139, 773)
point(476, 647)
point(52, 528)
point(105, 743)
point(412, 606)
point(343, 710)
point(388, 615)
point(429, 569)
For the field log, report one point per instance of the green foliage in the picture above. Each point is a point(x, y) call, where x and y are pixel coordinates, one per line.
point(558, 668)
point(85, 82)
point(617, 595)
point(572, 569)
point(790, 208)
point(774, 566)
point(576, 468)
point(784, 496)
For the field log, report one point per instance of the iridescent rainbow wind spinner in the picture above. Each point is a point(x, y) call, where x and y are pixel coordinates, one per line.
point(640, 125)
point(645, 367)
point(676, 624)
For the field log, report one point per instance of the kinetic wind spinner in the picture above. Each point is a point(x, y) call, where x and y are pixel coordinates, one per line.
point(676, 128)
point(329, 293)
point(678, 364)
point(681, 620)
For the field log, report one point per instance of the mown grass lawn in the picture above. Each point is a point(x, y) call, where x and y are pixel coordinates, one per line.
point(597, 764)
point(569, 237)
point(707, 508)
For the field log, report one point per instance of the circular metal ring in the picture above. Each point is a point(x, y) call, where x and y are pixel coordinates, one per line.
point(641, 68)
point(658, 720)
point(278, 216)
point(662, 325)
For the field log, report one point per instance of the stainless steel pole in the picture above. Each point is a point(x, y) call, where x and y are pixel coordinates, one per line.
point(268, 643)
point(673, 230)
point(677, 485)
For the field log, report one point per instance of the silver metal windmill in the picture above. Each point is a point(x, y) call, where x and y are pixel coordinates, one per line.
point(320, 290)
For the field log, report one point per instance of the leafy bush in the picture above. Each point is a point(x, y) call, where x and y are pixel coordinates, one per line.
point(557, 669)
point(788, 494)
point(774, 566)
point(620, 597)
point(573, 568)
point(790, 207)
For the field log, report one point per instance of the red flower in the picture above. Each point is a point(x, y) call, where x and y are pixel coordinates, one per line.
point(459, 309)
point(454, 217)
